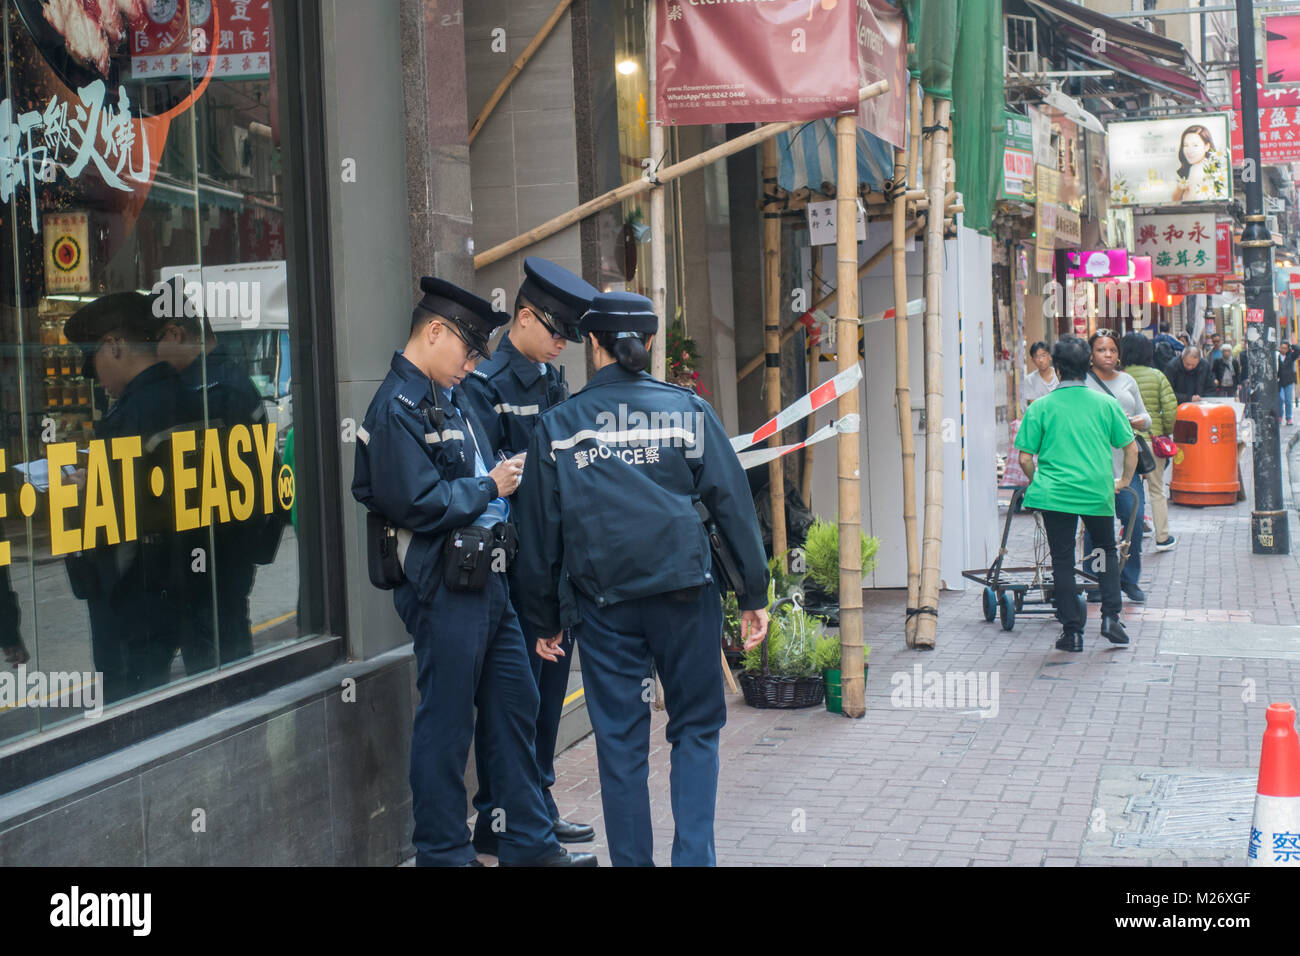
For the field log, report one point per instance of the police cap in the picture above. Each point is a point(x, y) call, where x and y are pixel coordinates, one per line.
point(563, 296)
point(620, 312)
point(475, 317)
point(128, 313)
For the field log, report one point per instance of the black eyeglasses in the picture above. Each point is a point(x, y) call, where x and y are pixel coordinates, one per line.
point(472, 354)
point(543, 317)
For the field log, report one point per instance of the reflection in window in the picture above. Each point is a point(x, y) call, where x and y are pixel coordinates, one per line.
point(145, 379)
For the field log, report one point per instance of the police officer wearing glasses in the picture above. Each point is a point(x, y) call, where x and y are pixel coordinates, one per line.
point(507, 393)
point(421, 469)
point(617, 550)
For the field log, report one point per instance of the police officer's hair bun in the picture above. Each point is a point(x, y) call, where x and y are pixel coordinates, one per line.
point(628, 349)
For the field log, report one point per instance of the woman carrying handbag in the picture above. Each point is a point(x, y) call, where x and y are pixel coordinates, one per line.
point(1106, 377)
point(1137, 356)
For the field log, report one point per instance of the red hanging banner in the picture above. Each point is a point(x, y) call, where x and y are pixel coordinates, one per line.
point(756, 62)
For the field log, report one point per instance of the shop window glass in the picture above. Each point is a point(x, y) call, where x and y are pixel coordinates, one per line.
point(149, 534)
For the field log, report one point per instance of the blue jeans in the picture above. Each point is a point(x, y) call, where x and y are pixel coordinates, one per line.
point(1128, 578)
point(1285, 399)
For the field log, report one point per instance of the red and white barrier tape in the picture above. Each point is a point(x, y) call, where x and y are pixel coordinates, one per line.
point(822, 395)
point(761, 456)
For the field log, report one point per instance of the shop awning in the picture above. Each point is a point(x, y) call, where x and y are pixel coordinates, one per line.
point(1152, 60)
point(808, 158)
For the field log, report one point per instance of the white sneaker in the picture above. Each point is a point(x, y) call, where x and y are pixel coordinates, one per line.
point(1167, 544)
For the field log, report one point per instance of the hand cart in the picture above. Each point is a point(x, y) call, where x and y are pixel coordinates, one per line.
point(1029, 590)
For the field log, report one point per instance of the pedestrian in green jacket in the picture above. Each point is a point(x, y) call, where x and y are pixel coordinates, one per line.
point(1137, 355)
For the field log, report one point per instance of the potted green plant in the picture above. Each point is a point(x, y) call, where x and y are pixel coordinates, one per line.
point(826, 657)
point(821, 550)
point(782, 671)
point(782, 583)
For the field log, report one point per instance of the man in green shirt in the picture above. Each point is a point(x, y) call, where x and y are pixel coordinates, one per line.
point(1072, 431)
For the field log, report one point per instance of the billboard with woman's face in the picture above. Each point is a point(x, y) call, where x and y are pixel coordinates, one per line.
point(1184, 159)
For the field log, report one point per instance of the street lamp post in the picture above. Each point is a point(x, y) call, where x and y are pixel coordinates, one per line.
point(1268, 521)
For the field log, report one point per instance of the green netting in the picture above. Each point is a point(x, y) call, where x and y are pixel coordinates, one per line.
point(958, 56)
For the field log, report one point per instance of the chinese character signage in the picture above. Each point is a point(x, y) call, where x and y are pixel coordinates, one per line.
point(1223, 248)
point(72, 135)
point(1195, 285)
point(1282, 49)
point(821, 223)
point(1068, 226)
point(1178, 245)
point(178, 37)
point(1018, 158)
point(1279, 123)
point(1165, 161)
point(67, 254)
point(1047, 180)
point(756, 62)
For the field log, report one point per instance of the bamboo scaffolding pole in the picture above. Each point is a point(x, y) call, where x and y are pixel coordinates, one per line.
point(847, 444)
point(928, 608)
point(902, 386)
point(517, 67)
point(914, 143)
point(628, 190)
point(772, 340)
point(658, 239)
point(805, 490)
point(829, 298)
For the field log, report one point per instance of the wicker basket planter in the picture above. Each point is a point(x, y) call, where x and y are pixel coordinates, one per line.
point(790, 693)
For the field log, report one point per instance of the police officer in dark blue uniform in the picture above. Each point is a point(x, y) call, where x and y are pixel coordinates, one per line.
point(509, 391)
point(422, 464)
point(133, 589)
point(617, 550)
point(219, 394)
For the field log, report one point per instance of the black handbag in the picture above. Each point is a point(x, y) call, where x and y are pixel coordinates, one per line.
point(1146, 460)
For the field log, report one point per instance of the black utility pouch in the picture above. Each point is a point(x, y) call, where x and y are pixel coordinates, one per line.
point(505, 538)
point(381, 552)
point(467, 558)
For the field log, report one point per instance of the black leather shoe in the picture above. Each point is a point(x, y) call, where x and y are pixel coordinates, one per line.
point(562, 857)
point(1136, 595)
point(567, 832)
point(1070, 641)
point(1113, 630)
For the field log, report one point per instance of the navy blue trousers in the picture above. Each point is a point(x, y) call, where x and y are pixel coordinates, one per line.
point(552, 679)
point(469, 652)
point(618, 643)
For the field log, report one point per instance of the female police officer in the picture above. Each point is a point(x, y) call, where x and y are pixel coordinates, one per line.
point(616, 549)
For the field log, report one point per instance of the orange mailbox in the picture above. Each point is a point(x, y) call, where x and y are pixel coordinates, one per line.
point(1207, 446)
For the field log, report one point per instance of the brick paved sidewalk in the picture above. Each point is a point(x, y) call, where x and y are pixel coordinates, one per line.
point(1080, 743)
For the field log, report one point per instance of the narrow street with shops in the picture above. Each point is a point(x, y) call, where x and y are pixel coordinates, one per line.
point(1138, 755)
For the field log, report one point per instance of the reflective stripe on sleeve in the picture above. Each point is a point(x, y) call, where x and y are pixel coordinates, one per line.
point(505, 408)
point(451, 434)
